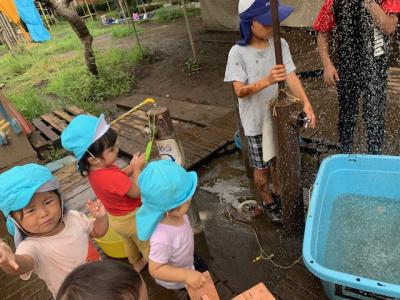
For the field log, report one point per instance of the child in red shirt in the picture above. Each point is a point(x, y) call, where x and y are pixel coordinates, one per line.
point(362, 37)
point(94, 144)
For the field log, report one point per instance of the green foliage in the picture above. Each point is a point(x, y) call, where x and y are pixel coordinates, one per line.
point(121, 31)
point(54, 153)
point(53, 74)
point(192, 67)
point(30, 103)
point(168, 14)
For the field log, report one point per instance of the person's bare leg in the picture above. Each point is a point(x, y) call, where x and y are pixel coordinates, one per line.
point(262, 182)
point(276, 185)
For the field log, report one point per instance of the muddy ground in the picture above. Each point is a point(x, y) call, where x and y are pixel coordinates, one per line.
point(230, 247)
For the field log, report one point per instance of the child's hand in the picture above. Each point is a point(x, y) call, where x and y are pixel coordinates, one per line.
point(137, 161)
point(310, 114)
point(278, 73)
point(195, 279)
point(330, 75)
point(7, 257)
point(96, 209)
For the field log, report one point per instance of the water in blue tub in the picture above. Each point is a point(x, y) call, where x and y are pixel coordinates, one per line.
point(364, 237)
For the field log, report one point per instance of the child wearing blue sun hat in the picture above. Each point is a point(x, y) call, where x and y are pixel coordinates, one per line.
point(167, 190)
point(50, 240)
point(94, 144)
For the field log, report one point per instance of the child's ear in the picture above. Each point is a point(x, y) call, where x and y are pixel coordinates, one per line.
point(93, 161)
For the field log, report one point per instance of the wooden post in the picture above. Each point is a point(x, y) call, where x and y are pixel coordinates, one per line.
point(289, 164)
point(165, 132)
point(189, 31)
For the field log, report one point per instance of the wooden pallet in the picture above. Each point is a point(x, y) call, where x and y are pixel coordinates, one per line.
point(203, 130)
point(48, 127)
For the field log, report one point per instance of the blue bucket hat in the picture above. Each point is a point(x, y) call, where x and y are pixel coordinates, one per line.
point(19, 184)
point(82, 132)
point(259, 10)
point(164, 185)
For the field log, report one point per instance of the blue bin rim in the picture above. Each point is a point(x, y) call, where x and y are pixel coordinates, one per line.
point(329, 275)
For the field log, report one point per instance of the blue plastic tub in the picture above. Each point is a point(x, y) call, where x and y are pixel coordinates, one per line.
point(352, 238)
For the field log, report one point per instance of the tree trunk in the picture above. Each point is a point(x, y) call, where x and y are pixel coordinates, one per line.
point(63, 8)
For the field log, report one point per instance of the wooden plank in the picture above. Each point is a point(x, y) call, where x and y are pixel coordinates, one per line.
point(134, 123)
point(65, 116)
point(196, 135)
point(130, 133)
point(75, 110)
point(71, 181)
point(37, 141)
point(48, 132)
point(195, 148)
point(180, 110)
point(79, 201)
point(127, 147)
point(76, 189)
point(65, 172)
point(54, 121)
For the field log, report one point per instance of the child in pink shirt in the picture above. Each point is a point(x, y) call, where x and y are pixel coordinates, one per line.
point(166, 190)
point(50, 240)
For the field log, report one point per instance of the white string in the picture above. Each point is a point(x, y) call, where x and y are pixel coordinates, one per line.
point(263, 254)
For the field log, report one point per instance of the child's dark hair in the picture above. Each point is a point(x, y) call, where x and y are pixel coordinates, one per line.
point(101, 280)
point(108, 140)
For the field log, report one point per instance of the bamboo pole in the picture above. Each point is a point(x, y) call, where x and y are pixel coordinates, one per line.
point(94, 9)
point(144, 7)
point(74, 5)
point(132, 23)
point(108, 6)
point(6, 34)
point(45, 17)
point(194, 52)
point(90, 13)
point(10, 31)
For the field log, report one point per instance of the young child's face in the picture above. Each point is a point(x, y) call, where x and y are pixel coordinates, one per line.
point(41, 215)
point(110, 155)
point(261, 31)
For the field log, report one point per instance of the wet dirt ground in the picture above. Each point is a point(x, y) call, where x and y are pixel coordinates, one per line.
point(229, 242)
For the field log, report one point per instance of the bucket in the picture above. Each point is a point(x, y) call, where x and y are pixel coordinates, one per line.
point(351, 238)
point(112, 244)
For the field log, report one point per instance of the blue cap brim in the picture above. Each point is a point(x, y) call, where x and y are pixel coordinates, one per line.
point(284, 11)
point(147, 217)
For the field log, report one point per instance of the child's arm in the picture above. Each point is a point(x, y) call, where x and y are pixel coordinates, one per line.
point(127, 170)
point(168, 273)
point(330, 73)
point(100, 226)
point(386, 23)
point(14, 264)
point(297, 89)
point(278, 73)
point(137, 164)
